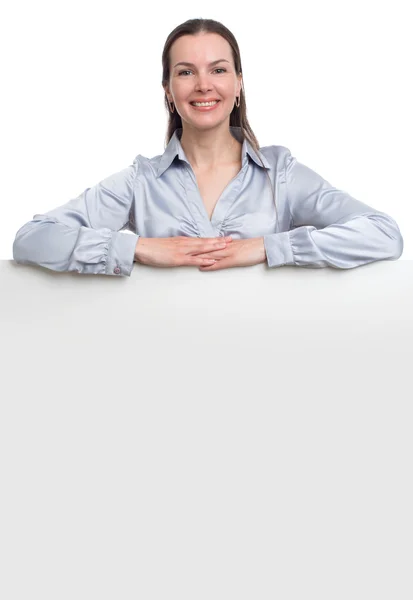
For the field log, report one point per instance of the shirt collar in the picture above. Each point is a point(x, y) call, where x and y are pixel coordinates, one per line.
point(174, 148)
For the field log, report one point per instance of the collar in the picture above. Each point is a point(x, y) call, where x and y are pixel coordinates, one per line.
point(174, 148)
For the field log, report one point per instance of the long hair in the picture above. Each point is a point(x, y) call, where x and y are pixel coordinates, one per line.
point(238, 116)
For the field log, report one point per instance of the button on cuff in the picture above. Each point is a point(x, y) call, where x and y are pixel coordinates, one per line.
point(121, 253)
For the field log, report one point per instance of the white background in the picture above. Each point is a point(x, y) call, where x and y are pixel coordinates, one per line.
point(308, 376)
point(83, 95)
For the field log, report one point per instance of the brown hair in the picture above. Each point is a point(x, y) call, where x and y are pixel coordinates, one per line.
point(238, 116)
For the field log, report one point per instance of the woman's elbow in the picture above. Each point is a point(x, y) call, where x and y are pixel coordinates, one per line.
point(398, 246)
point(393, 239)
point(36, 241)
point(396, 242)
point(21, 245)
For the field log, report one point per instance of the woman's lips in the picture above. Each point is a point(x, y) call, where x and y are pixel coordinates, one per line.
point(205, 108)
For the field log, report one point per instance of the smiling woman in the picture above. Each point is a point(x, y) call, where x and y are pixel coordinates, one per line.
point(214, 199)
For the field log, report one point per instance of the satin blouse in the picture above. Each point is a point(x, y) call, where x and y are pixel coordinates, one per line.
point(310, 223)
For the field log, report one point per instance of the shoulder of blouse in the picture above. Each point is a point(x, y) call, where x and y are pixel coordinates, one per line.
point(278, 157)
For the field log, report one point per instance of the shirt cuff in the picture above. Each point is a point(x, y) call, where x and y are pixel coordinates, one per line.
point(278, 249)
point(121, 253)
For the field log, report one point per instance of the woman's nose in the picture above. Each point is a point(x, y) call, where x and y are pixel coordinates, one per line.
point(203, 88)
point(203, 83)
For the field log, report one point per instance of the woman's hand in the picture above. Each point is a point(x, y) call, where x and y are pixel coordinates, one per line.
point(179, 251)
point(239, 253)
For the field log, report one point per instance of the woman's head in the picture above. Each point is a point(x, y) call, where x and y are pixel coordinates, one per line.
point(202, 42)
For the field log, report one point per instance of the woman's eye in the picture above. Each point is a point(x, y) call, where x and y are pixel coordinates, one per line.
point(188, 71)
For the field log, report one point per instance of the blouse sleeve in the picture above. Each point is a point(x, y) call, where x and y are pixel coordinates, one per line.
point(84, 234)
point(328, 227)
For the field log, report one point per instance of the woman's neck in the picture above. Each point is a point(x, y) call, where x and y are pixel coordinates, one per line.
point(209, 149)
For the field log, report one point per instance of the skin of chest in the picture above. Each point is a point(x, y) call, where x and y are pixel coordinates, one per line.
point(212, 183)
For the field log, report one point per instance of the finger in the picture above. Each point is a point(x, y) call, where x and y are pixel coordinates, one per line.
point(212, 267)
point(224, 263)
point(200, 262)
point(209, 248)
point(215, 240)
point(220, 264)
point(217, 254)
point(200, 245)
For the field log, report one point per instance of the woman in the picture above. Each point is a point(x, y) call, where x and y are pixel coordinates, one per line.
point(209, 200)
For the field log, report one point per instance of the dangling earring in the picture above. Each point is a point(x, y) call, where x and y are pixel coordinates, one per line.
point(239, 101)
point(172, 109)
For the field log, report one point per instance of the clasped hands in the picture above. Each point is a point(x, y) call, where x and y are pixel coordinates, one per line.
point(209, 254)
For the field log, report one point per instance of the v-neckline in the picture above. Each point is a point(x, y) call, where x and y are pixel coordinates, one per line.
point(228, 195)
point(220, 196)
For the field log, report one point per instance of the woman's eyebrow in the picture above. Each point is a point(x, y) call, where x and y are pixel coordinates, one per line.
point(188, 64)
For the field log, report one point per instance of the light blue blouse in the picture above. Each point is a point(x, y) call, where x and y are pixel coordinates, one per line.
point(312, 224)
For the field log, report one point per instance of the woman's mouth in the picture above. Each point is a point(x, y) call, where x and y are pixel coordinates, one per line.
point(205, 106)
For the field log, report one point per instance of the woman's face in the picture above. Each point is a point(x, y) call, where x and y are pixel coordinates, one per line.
point(202, 80)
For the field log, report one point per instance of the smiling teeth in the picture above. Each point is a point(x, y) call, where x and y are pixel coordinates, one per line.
point(204, 103)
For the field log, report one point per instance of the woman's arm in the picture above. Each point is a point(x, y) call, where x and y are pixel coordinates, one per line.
point(83, 234)
point(329, 228)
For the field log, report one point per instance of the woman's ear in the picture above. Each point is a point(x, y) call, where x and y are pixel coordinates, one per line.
point(166, 90)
